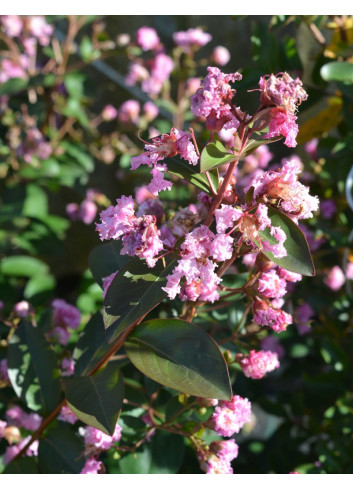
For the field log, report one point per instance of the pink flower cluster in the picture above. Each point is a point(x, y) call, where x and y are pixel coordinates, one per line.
point(191, 39)
point(97, 441)
point(266, 315)
point(230, 416)
point(153, 76)
point(67, 415)
point(258, 363)
point(86, 211)
point(140, 235)
point(129, 112)
point(214, 100)
point(34, 146)
point(65, 316)
point(220, 456)
point(194, 277)
point(147, 38)
point(283, 186)
point(17, 417)
point(167, 145)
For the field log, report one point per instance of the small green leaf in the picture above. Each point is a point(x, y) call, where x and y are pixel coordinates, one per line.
point(134, 292)
point(190, 173)
point(23, 266)
point(167, 453)
point(33, 370)
point(106, 259)
point(12, 86)
point(91, 346)
point(97, 400)
point(214, 155)
point(61, 452)
point(341, 71)
point(180, 355)
point(253, 144)
point(298, 257)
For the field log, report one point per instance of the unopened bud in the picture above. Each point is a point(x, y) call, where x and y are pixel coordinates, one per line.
point(262, 263)
point(12, 434)
point(227, 356)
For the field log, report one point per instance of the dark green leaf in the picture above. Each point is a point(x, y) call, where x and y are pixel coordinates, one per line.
point(97, 400)
point(167, 453)
point(191, 173)
point(23, 465)
point(214, 155)
point(38, 284)
point(253, 144)
point(298, 257)
point(180, 355)
point(91, 346)
point(61, 452)
point(136, 463)
point(106, 259)
point(134, 292)
point(337, 71)
point(33, 370)
point(13, 86)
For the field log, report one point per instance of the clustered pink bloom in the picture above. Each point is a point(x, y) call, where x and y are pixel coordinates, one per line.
point(271, 285)
point(92, 466)
point(86, 211)
point(147, 38)
point(140, 235)
point(191, 39)
point(129, 112)
point(109, 113)
point(162, 66)
point(40, 29)
point(67, 415)
point(264, 315)
point(285, 94)
point(65, 316)
point(335, 278)
point(220, 55)
point(12, 25)
point(17, 417)
point(9, 69)
point(150, 111)
point(167, 145)
point(218, 460)
point(194, 276)
point(67, 366)
point(303, 314)
point(282, 185)
point(258, 363)
point(98, 441)
point(214, 100)
point(12, 450)
point(230, 416)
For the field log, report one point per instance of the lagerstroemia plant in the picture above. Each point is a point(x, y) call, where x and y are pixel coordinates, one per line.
point(163, 271)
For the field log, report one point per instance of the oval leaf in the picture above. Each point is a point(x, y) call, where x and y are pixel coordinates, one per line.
point(61, 452)
point(23, 465)
point(106, 259)
point(134, 292)
point(23, 266)
point(298, 257)
point(337, 71)
point(97, 400)
point(33, 370)
point(180, 355)
point(253, 144)
point(190, 173)
point(214, 155)
point(92, 345)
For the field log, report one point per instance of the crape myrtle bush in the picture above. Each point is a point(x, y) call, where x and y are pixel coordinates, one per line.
point(211, 330)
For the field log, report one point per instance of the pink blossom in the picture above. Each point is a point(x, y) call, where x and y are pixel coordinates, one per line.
point(59, 334)
point(150, 111)
point(129, 112)
point(67, 366)
point(282, 90)
point(147, 38)
point(283, 124)
point(271, 285)
point(289, 276)
point(311, 148)
point(230, 416)
point(67, 415)
point(249, 259)
point(161, 69)
point(258, 363)
point(225, 449)
point(192, 38)
point(259, 159)
point(192, 85)
point(88, 211)
point(65, 315)
point(118, 220)
point(158, 183)
point(153, 207)
point(12, 450)
point(12, 25)
point(32, 421)
point(15, 416)
point(9, 69)
point(34, 146)
point(137, 73)
point(277, 319)
point(92, 466)
point(40, 29)
point(30, 46)
point(335, 278)
point(97, 439)
point(221, 247)
point(349, 270)
point(226, 216)
point(217, 465)
point(109, 113)
point(3, 425)
point(23, 309)
point(220, 55)
point(303, 314)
